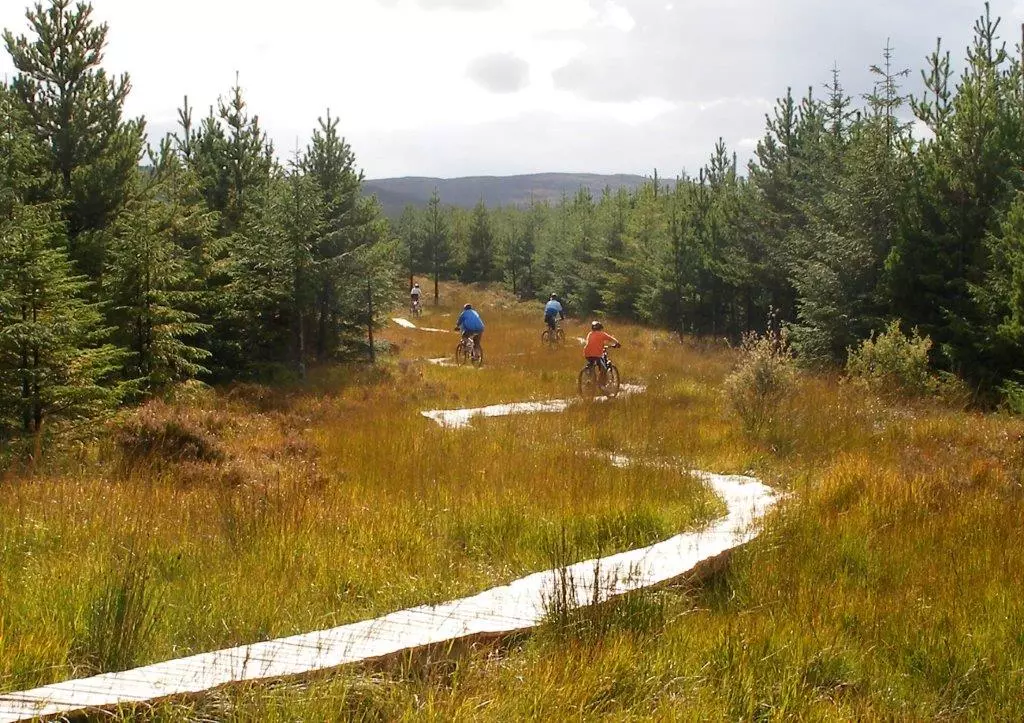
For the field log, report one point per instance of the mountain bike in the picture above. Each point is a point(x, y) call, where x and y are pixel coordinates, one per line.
point(469, 351)
point(589, 381)
point(417, 307)
point(553, 337)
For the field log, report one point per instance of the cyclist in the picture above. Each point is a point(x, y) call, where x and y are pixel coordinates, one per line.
point(415, 293)
point(552, 309)
point(470, 324)
point(593, 349)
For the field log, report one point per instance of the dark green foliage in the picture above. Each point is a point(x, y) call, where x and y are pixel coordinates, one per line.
point(74, 110)
point(964, 180)
point(480, 255)
point(118, 281)
point(435, 241)
point(148, 284)
point(55, 368)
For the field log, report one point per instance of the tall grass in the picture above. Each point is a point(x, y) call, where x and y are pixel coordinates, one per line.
point(266, 512)
point(886, 587)
point(119, 619)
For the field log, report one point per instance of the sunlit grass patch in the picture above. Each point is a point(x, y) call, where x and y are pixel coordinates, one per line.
point(326, 502)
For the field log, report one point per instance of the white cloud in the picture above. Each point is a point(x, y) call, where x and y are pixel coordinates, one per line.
point(613, 84)
point(618, 17)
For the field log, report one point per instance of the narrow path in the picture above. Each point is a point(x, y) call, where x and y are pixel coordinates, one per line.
point(406, 324)
point(462, 417)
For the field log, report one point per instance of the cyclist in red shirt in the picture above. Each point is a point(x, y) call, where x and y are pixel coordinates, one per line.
point(593, 349)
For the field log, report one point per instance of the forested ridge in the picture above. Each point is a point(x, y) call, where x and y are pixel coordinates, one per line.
point(464, 192)
point(849, 216)
point(125, 268)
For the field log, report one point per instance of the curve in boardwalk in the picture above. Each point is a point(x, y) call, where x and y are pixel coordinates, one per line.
point(406, 324)
point(490, 614)
point(461, 417)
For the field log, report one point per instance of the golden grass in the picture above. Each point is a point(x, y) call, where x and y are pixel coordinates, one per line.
point(887, 586)
point(320, 505)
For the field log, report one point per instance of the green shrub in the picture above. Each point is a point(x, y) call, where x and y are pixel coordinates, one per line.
point(762, 381)
point(894, 363)
point(1013, 397)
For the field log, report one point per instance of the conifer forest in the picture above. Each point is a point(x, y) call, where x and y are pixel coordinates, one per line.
point(129, 264)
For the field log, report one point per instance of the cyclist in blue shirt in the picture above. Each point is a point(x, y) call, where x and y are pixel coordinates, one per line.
point(552, 309)
point(470, 324)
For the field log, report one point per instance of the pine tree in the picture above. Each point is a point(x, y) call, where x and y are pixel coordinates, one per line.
point(861, 169)
point(408, 231)
point(351, 230)
point(520, 247)
point(963, 183)
point(436, 241)
point(480, 254)
point(148, 283)
point(55, 367)
point(232, 157)
point(75, 111)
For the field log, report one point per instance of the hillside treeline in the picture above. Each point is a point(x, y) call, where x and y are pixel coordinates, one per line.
point(126, 268)
point(849, 216)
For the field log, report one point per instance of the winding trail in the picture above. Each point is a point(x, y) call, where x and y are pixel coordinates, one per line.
point(406, 324)
point(461, 417)
point(491, 614)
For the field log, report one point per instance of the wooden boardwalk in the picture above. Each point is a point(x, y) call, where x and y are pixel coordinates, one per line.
point(493, 613)
point(461, 417)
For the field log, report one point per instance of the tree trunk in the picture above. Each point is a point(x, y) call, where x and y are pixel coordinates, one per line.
point(369, 321)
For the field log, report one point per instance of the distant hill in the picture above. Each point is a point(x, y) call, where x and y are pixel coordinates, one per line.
point(395, 193)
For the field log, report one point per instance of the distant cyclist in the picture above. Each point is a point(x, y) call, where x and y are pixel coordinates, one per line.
point(553, 309)
point(593, 349)
point(415, 293)
point(470, 324)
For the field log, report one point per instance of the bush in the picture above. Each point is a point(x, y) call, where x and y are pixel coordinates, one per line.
point(894, 363)
point(762, 381)
point(158, 432)
point(1013, 397)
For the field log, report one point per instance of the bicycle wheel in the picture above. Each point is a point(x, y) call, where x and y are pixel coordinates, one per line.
point(587, 382)
point(559, 336)
point(478, 355)
point(460, 354)
point(545, 338)
point(611, 384)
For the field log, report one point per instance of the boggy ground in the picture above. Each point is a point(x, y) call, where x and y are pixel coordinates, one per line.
point(886, 587)
point(233, 515)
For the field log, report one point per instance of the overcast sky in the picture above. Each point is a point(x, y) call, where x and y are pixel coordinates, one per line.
point(468, 87)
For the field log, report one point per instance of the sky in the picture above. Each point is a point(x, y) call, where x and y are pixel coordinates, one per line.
point(496, 87)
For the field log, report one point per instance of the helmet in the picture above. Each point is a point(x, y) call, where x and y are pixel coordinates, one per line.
point(468, 306)
point(554, 296)
point(416, 286)
point(596, 325)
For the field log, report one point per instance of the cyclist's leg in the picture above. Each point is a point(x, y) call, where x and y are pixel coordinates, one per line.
point(477, 340)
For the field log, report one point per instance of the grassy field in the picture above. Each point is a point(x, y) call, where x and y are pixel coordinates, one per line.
point(887, 586)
